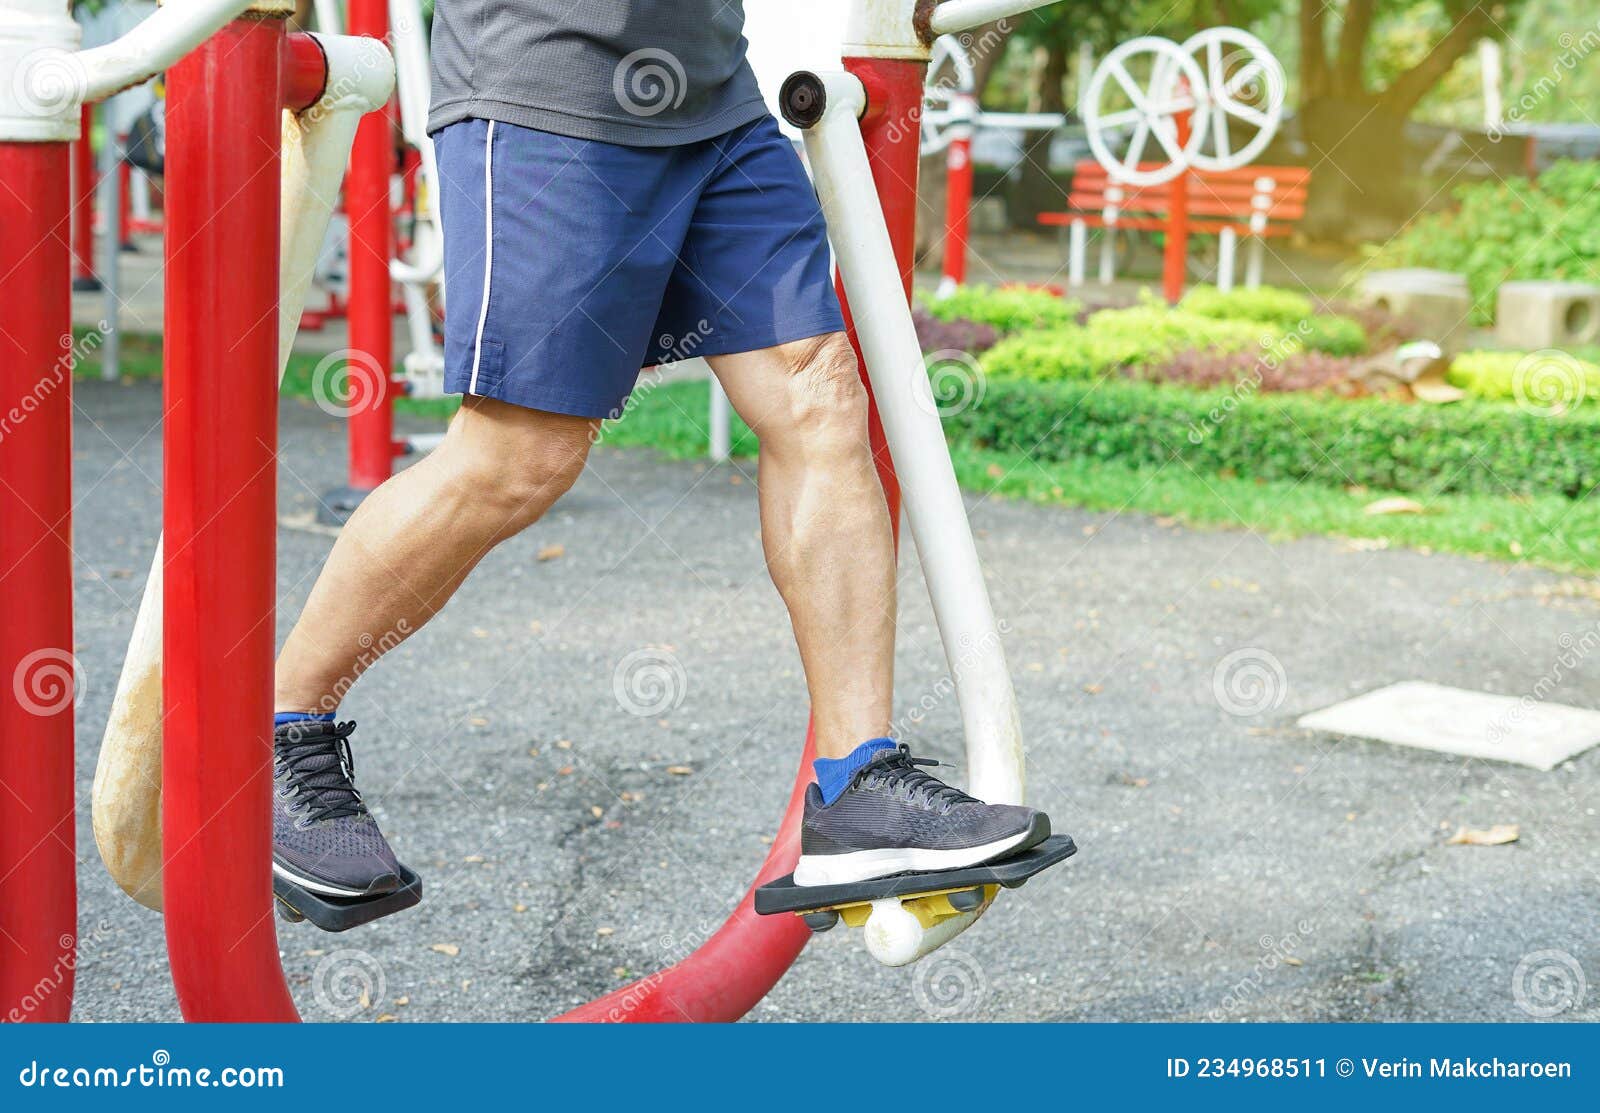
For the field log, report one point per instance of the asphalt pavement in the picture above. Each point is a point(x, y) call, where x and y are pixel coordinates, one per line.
point(1232, 866)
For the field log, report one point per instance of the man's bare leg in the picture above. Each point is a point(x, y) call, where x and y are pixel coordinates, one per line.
point(824, 527)
point(413, 541)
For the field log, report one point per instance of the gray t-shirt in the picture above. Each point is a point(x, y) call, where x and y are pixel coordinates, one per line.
point(645, 73)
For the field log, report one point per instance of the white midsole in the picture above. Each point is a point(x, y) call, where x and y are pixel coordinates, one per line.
point(316, 886)
point(865, 865)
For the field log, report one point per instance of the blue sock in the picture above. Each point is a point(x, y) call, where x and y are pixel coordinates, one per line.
point(834, 773)
point(282, 717)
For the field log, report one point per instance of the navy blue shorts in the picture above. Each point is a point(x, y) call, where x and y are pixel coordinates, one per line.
point(571, 263)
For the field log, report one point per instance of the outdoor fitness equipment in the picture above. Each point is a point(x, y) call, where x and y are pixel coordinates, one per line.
point(260, 125)
point(184, 782)
point(1189, 99)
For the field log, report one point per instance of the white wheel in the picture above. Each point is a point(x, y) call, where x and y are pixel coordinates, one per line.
point(1145, 83)
point(893, 935)
point(947, 93)
point(1246, 88)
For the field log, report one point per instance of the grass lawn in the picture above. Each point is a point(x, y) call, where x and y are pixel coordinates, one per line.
point(1551, 531)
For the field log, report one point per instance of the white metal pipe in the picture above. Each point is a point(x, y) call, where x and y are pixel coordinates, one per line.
point(1226, 241)
point(721, 446)
point(166, 35)
point(111, 252)
point(1253, 260)
point(1077, 249)
point(411, 83)
point(962, 15)
point(1108, 254)
point(330, 19)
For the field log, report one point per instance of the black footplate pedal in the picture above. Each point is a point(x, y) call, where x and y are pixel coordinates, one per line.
point(930, 896)
point(296, 903)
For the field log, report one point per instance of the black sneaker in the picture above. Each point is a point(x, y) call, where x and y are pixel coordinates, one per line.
point(895, 818)
point(323, 837)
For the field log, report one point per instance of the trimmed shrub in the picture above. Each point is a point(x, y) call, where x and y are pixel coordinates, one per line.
point(1543, 380)
point(1510, 229)
point(1469, 447)
point(1006, 309)
point(1265, 303)
point(956, 334)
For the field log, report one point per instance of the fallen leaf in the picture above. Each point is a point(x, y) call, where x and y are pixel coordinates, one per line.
point(605, 931)
point(446, 949)
point(679, 770)
point(386, 1018)
point(1498, 835)
point(563, 743)
point(552, 552)
point(1094, 689)
point(1394, 505)
point(1292, 961)
point(596, 810)
point(519, 908)
point(402, 1002)
point(564, 771)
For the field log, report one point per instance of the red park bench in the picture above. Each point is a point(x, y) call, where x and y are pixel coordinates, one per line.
point(1255, 202)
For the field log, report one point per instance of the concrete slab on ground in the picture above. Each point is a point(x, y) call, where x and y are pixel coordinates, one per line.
point(1523, 730)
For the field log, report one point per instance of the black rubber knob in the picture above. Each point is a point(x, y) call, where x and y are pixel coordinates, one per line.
point(802, 98)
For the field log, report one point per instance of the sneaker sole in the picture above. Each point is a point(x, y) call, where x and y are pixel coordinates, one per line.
point(869, 865)
point(389, 883)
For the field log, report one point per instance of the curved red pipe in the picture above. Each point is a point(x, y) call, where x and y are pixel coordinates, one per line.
point(38, 897)
point(224, 102)
point(740, 964)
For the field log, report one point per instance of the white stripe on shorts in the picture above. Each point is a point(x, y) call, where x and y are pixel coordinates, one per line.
point(488, 252)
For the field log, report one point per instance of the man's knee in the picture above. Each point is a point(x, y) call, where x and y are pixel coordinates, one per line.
point(519, 462)
point(826, 399)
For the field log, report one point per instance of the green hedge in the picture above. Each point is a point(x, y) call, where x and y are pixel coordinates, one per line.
point(1469, 447)
point(1544, 380)
point(1141, 337)
point(1005, 309)
point(1264, 303)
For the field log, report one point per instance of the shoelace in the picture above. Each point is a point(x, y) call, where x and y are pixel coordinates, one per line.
point(899, 773)
point(320, 771)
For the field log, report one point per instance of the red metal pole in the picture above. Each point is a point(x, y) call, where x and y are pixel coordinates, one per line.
point(83, 182)
point(224, 103)
point(957, 208)
point(1176, 255)
point(371, 387)
point(38, 896)
point(739, 965)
